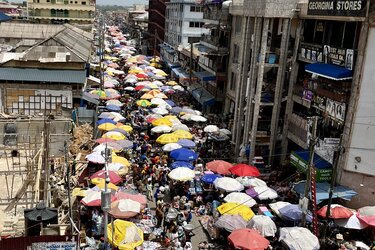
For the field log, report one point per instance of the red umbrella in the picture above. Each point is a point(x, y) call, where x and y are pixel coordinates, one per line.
point(135, 197)
point(139, 87)
point(113, 177)
point(336, 212)
point(248, 239)
point(104, 140)
point(219, 166)
point(150, 120)
point(367, 215)
point(244, 170)
point(141, 76)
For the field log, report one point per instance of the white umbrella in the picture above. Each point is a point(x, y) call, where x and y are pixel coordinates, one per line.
point(131, 80)
point(228, 184)
point(171, 146)
point(117, 116)
point(211, 129)
point(158, 101)
point(128, 205)
point(114, 166)
point(180, 127)
point(352, 222)
point(240, 198)
point(95, 157)
point(187, 117)
point(278, 205)
point(251, 181)
point(198, 118)
point(158, 83)
point(161, 129)
point(160, 111)
point(178, 88)
point(361, 245)
point(225, 131)
point(263, 224)
point(175, 121)
point(182, 174)
point(101, 148)
point(129, 88)
point(265, 193)
point(299, 238)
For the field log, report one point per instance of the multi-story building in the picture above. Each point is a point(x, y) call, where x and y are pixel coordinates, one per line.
point(61, 11)
point(156, 24)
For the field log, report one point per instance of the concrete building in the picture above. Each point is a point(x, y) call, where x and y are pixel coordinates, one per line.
point(61, 11)
point(156, 24)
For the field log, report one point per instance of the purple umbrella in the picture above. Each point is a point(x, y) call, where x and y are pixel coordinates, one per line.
point(175, 110)
point(121, 131)
point(186, 143)
point(293, 212)
point(171, 103)
point(231, 222)
point(125, 143)
point(165, 87)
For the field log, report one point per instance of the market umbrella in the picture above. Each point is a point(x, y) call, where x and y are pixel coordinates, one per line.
point(244, 170)
point(293, 212)
point(298, 238)
point(183, 134)
point(100, 93)
point(170, 103)
point(160, 111)
point(171, 83)
point(182, 174)
point(183, 154)
point(135, 197)
point(219, 166)
point(100, 185)
point(113, 108)
point(113, 177)
point(210, 178)
point(158, 101)
point(162, 121)
point(121, 131)
point(198, 118)
point(124, 235)
point(101, 148)
point(228, 184)
point(117, 167)
point(184, 164)
point(262, 193)
point(104, 140)
point(139, 87)
point(95, 157)
point(121, 160)
point(211, 129)
point(263, 224)
point(93, 198)
point(129, 88)
point(107, 115)
point(351, 223)
point(251, 181)
point(114, 135)
point(171, 146)
point(147, 96)
point(143, 103)
point(167, 138)
point(367, 215)
point(336, 212)
point(225, 131)
point(248, 239)
point(106, 126)
point(125, 208)
point(180, 127)
point(161, 129)
point(112, 94)
point(240, 198)
point(114, 102)
point(114, 145)
point(230, 222)
point(186, 143)
point(176, 110)
point(236, 208)
point(105, 120)
point(127, 128)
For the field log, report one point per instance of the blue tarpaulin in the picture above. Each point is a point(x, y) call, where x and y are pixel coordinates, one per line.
point(4, 17)
point(329, 71)
point(203, 96)
point(322, 191)
point(180, 72)
point(319, 162)
point(205, 76)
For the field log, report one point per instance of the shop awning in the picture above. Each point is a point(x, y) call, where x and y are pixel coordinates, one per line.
point(329, 71)
point(43, 75)
point(193, 87)
point(180, 72)
point(203, 96)
point(173, 65)
point(205, 76)
point(322, 191)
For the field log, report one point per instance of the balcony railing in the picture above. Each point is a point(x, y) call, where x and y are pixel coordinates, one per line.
point(335, 96)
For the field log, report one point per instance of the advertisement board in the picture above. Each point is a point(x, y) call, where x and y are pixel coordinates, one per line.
point(346, 8)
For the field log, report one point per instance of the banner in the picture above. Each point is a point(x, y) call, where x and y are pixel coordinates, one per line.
point(54, 246)
point(349, 8)
point(335, 109)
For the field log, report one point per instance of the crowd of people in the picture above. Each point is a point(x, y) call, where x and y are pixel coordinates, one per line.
point(164, 171)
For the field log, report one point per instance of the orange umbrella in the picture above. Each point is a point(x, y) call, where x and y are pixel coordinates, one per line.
point(219, 166)
point(248, 239)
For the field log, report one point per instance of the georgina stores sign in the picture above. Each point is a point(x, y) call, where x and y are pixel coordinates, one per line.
point(354, 8)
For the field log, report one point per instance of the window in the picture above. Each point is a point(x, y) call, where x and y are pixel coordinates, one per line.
point(238, 25)
point(196, 24)
point(232, 81)
point(179, 39)
point(236, 53)
point(195, 9)
point(83, 3)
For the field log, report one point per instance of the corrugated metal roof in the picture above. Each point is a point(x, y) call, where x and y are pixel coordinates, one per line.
point(28, 30)
point(42, 75)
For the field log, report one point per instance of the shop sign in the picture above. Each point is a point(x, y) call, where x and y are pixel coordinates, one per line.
point(321, 174)
point(320, 102)
point(312, 52)
point(54, 246)
point(326, 148)
point(346, 8)
point(307, 95)
point(338, 56)
point(335, 109)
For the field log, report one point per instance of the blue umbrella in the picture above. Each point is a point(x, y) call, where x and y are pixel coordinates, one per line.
point(171, 103)
point(105, 115)
point(293, 212)
point(113, 108)
point(184, 164)
point(186, 143)
point(175, 110)
point(183, 154)
point(105, 120)
point(210, 178)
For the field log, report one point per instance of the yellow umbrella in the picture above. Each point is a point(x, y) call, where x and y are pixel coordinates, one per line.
point(172, 83)
point(147, 96)
point(79, 192)
point(100, 183)
point(167, 138)
point(235, 208)
point(162, 121)
point(182, 134)
point(156, 65)
point(132, 60)
point(153, 86)
point(114, 135)
point(154, 60)
point(143, 103)
point(161, 73)
point(124, 234)
point(135, 71)
point(171, 117)
point(127, 128)
point(120, 160)
point(106, 126)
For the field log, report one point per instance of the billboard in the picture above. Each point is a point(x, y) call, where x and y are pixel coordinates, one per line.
point(349, 8)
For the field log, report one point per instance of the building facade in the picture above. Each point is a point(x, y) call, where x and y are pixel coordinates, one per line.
point(61, 11)
point(156, 24)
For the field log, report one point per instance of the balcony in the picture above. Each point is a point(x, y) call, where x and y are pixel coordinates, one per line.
point(298, 130)
point(214, 42)
point(216, 15)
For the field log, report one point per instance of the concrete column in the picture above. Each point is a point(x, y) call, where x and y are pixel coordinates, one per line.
point(258, 91)
point(290, 102)
point(279, 88)
point(252, 76)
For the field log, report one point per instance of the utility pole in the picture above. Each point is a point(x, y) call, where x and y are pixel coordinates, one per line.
point(106, 194)
point(191, 65)
point(68, 185)
point(308, 170)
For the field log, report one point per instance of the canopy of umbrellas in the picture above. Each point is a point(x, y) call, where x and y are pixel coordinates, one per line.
point(141, 76)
